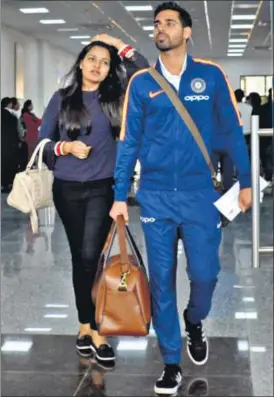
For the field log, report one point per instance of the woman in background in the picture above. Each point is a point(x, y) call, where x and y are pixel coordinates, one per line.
point(31, 124)
point(87, 114)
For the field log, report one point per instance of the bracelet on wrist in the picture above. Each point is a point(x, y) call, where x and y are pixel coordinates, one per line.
point(126, 52)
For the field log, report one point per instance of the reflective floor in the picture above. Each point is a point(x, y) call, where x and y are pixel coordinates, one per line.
point(37, 306)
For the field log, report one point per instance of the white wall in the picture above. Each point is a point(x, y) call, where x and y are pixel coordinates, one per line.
point(236, 68)
point(43, 65)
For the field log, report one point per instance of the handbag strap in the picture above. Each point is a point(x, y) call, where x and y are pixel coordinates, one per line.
point(39, 149)
point(181, 109)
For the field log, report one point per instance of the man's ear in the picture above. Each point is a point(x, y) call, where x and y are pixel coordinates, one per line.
point(187, 33)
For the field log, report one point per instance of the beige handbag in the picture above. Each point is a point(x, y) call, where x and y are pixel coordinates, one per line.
point(32, 188)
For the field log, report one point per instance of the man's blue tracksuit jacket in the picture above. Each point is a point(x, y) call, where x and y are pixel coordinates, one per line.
point(176, 186)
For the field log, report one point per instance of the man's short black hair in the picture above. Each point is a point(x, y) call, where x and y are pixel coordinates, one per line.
point(173, 6)
point(239, 94)
point(14, 101)
point(5, 102)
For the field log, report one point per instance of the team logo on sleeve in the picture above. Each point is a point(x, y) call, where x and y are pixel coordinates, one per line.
point(198, 85)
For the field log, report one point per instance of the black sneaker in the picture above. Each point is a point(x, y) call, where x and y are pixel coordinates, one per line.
point(103, 352)
point(170, 380)
point(83, 345)
point(197, 344)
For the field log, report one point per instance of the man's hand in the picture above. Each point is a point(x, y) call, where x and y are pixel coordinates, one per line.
point(119, 208)
point(105, 38)
point(245, 199)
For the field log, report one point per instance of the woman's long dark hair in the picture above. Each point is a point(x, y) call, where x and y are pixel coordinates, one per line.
point(73, 113)
point(25, 108)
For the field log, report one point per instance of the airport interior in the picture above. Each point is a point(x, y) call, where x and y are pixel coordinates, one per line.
point(41, 41)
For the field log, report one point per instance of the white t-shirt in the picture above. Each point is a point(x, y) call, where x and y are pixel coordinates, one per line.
point(246, 112)
point(175, 80)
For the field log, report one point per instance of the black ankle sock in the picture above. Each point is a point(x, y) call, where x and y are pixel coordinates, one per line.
point(173, 366)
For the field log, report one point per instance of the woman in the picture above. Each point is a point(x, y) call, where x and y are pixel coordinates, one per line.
point(88, 114)
point(30, 123)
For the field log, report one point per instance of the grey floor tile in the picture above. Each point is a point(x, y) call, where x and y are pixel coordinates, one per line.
point(95, 384)
point(37, 384)
point(51, 353)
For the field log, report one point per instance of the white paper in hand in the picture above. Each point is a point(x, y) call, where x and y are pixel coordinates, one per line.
point(228, 204)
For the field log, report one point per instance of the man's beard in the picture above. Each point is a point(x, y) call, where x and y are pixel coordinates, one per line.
point(165, 47)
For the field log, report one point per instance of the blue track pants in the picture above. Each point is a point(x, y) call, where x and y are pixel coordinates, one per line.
point(193, 212)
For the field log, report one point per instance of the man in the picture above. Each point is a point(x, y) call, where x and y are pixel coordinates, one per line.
point(176, 189)
point(9, 145)
point(23, 147)
point(266, 143)
point(246, 112)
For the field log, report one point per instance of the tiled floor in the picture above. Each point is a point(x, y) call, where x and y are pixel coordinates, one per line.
point(51, 368)
point(37, 298)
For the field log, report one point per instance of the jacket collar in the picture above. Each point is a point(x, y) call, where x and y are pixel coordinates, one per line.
point(189, 62)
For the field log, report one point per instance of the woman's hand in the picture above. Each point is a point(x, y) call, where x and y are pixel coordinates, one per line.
point(105, 38)
point(77, 149)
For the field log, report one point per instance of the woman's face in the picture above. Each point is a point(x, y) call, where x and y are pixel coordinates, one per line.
point(30, 108)
point(96, 65)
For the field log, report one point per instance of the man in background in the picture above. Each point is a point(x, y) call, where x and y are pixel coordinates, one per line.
point(9, 145)
point(246, 111)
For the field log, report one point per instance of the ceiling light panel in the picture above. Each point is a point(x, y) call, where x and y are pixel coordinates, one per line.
point(238, 40)
point(148, 28)
point(68, 30)
point(140, 19)
point(52, 21)
point(34, 10)
point(139, 8)
point(245, 6)
point(234, 55)
point(243, 17)
point(236, 50)
point(241, 26)
point(237, 45)
point(79, 37)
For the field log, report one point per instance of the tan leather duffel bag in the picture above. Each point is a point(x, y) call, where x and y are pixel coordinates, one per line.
point(121, 289)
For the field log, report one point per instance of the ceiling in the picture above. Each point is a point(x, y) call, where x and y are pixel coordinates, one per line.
point(211, 24)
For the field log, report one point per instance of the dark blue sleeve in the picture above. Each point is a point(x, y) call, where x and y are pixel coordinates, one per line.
point(130, 139)
point(50, 128)
point(231, 127)
point(135, 63)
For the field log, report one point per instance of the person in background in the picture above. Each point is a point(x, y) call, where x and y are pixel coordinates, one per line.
point(9, 144)
point(88, 115)
point(176, 189)
point(23, 147)
point(32, 124)
point(255, 100)
point(266, 143)
point(246, 112)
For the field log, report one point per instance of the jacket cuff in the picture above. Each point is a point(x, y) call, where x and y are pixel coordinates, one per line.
point(245, 181)
point(120, 196)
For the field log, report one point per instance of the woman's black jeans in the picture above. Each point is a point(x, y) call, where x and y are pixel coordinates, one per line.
point(84, 210)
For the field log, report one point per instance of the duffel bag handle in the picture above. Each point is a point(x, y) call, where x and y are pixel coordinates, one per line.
point(122, 238)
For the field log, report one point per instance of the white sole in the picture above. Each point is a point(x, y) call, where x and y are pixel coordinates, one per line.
point(199, 363)
point(167, 391)
point(100, 358)
point(78, 350)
